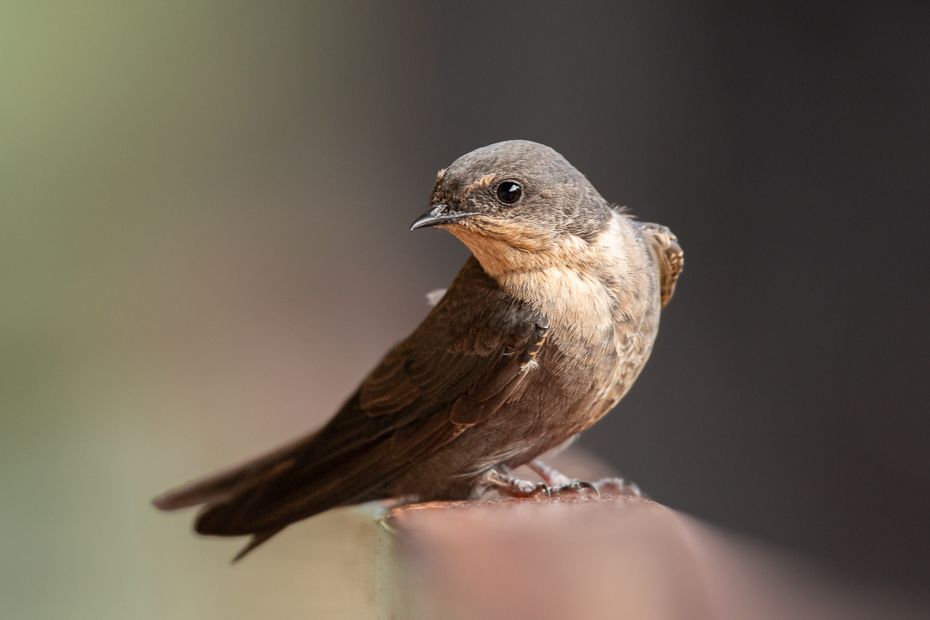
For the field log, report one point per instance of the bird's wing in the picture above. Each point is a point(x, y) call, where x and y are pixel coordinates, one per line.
point(670, 256)
point(454, 371)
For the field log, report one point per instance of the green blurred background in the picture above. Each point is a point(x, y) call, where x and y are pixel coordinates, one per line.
point(203, 247)
point(192, 268)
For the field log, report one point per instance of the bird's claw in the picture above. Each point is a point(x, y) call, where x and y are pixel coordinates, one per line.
point(575, 487)
point(588, 485)
point(515, 487)
point(527, 488)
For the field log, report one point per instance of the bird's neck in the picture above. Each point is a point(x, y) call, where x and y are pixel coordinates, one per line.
point(568, 279)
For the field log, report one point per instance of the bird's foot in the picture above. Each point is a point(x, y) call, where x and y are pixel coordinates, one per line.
point(549, 475)
point(560, 484)
point(509, 486)
point(602, 488)
point(574, 488)
point(556, 484)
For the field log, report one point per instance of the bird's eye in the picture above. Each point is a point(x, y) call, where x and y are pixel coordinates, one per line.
point(509, 192)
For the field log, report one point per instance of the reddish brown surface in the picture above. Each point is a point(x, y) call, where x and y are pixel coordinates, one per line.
point(619, 557)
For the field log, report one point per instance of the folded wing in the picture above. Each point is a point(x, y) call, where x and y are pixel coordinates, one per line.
point(454, 371)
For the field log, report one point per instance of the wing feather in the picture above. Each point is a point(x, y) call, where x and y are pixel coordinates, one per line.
point(670, 256)
point(470, 350)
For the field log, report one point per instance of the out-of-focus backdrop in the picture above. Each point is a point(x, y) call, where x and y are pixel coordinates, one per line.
point(203, 247)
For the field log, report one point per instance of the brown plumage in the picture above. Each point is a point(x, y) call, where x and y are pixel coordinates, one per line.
point(542, 332)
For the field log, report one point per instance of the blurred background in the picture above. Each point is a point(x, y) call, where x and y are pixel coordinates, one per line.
point(203, 248)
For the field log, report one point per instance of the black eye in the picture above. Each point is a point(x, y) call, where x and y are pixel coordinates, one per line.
point(509, 192)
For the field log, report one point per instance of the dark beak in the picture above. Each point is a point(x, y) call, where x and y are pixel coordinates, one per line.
point(438, 215)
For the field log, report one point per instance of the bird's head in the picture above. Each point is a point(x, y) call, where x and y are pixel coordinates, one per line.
point(516, 205)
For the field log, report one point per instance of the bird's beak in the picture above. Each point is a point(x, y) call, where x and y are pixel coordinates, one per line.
point(438, 215)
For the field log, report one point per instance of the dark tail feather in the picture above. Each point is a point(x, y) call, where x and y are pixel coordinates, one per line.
point(257, 539)
point(214, 489)
point(223, 486)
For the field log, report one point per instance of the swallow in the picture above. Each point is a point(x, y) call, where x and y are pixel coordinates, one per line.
point(543, 331)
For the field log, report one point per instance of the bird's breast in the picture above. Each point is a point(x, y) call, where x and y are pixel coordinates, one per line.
point(602, 299)
point(577, 302)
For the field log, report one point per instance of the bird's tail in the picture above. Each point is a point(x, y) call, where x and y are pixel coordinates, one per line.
point(223, 486)
point(217, 491)
point(257, 539)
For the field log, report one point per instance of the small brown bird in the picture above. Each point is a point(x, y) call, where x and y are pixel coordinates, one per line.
point(542, 332)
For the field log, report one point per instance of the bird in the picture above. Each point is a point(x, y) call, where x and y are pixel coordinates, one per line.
point(542, 332)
